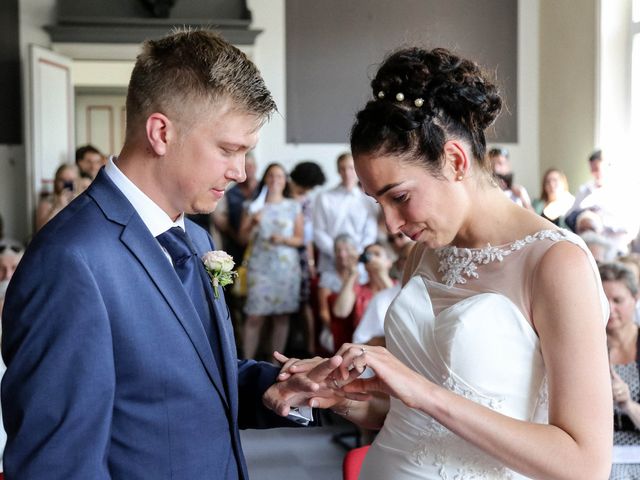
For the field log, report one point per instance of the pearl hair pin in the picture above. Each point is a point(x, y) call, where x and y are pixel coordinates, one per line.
point(418, 102)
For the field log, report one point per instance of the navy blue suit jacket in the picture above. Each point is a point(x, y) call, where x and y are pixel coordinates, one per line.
point(110, 374)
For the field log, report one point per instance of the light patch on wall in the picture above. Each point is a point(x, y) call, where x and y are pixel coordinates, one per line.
point(86, 73)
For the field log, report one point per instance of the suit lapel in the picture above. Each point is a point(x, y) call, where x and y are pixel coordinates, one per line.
point(225, 330)
point(227, 342)
point(137, 238)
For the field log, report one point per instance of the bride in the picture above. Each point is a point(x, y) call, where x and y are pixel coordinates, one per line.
point(496, 363)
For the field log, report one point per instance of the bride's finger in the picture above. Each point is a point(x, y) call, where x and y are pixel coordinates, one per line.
point(344, 348)
point(354, 358)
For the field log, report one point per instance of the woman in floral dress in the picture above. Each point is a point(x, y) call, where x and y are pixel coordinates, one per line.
point(273, 270)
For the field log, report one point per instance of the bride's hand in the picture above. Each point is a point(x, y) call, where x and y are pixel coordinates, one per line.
point(392, 377)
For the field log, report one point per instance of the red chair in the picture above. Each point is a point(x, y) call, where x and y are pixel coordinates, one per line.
point(352, 462)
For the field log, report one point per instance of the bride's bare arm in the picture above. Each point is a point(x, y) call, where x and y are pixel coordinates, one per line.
point(567, 316)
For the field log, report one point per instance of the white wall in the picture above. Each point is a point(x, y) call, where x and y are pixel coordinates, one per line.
point(568, 49)
point(269, 55)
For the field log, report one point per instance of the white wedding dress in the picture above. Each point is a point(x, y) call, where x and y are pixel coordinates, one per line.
point(462, 321)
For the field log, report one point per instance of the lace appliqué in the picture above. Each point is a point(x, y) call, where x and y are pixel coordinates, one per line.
point(541, 410)
point(458, 387)
point(438, 445)
point(458, 263)
point(444, 449)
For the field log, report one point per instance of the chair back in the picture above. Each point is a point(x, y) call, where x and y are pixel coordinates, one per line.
point(352, 462)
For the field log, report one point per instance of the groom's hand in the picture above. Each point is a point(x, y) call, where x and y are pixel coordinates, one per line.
point(308, 388)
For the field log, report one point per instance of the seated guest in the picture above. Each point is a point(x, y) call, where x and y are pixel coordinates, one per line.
point(602, 249)
point(370, 330)
point(397, 243)
point(610, 199)
point(621, 289)
point(345, 255)
point(588, 221)
point(10, 255)
point(555, 199)
point(348, 305)
point(503, 174)
point(632, 262)
point(64, 190)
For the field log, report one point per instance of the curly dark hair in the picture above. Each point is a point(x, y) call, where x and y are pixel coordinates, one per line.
point(456, 101)
point(308, 174)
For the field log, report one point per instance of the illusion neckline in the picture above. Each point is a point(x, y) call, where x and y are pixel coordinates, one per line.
point(457, 264)
point(538, 235)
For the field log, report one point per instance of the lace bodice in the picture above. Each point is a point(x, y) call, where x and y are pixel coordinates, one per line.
point(458, 263)
point(462, 321)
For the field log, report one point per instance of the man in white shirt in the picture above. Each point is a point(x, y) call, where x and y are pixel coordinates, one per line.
point(344, 209)
point(612, 200)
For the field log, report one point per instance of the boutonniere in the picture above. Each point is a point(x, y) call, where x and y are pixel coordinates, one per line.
point(219, 265)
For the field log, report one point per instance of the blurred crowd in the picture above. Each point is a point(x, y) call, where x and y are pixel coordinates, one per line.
point(317, 267)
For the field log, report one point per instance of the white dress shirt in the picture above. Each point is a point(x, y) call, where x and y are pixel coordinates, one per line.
point(156, 219)
point(341, 211)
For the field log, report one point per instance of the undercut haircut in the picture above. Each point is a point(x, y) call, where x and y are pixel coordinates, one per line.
point(190, 70)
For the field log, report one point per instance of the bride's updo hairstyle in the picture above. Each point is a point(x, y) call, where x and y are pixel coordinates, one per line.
point(421, 99)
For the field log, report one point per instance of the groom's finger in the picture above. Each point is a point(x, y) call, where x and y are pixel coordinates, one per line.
point(321, 371)
point(280, 358)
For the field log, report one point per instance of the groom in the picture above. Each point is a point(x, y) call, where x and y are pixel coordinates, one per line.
point(121, 360)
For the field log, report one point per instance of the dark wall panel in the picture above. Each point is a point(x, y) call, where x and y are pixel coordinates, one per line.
point(333, 48)
point(10, 97)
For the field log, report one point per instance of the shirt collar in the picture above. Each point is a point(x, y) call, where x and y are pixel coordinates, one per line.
point(354, 191)
point(156, 219)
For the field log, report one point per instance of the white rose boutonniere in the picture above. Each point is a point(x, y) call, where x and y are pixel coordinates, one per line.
point(219, 265)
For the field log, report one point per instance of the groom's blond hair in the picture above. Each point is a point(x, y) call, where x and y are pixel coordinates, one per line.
point(192, 70)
